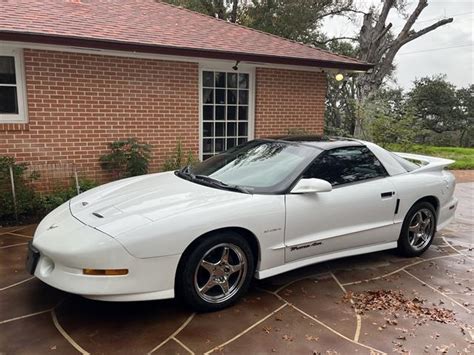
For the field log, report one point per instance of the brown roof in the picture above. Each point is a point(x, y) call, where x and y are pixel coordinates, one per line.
point(153, 27)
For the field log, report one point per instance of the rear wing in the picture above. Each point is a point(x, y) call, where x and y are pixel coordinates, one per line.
point(427, 163)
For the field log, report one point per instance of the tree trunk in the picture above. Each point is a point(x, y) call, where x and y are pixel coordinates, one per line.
point(379, 46)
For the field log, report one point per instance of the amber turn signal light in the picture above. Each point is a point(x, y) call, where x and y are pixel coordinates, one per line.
point(105, 272)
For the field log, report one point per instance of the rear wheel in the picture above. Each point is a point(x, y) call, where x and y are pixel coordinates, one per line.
point(418, 230)
point(216, 273)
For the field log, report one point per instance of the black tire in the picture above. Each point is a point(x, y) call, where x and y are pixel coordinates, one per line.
point(192, 275)
point(407, 242)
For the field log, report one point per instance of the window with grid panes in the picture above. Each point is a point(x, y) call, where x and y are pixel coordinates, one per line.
point(12, 107)
point(225, 111)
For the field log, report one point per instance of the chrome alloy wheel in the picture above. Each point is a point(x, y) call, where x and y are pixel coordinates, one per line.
point(220, 273)
point(421, 229)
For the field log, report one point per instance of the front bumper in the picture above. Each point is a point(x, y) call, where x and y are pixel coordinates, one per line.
point(67, 246)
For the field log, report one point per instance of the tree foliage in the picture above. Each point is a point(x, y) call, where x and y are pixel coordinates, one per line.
point(436, 104)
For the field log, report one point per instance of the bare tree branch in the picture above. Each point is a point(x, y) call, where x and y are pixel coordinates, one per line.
point(335, 39)
point(411, 19)
point(387, 6)
point(384, 32)
point(413, 35)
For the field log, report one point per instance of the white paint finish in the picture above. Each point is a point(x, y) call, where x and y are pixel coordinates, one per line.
point(305, 186)
point(148, 222)
point(263, 274)
point(339, 219)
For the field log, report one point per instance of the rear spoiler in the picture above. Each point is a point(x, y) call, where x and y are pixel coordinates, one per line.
point(428, 163)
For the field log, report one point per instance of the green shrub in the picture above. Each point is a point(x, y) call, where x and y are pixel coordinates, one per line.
point(178, 159)
point(127, 158)
point(25, 196)
point(385, 130)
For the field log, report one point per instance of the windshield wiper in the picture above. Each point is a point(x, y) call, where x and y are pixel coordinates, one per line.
point(221, 184)
point(185, 173)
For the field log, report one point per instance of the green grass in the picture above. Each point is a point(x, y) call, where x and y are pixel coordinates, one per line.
point(464, 157)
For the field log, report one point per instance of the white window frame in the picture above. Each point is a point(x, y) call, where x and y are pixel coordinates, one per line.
point(227, 67)
point(21, 116)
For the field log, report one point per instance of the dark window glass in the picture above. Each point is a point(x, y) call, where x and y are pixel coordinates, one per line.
point(208, 129)
point(220, 113)
point(232, 97)
point(220, 129)
point(7, 70)
point(208, 96)
point(8, 100)
point(208, 113)
point(219, 145)
point(220, 80)
point(208, 146)
point(242, 140)
point(243, 128)
point(243, 97)
point(220, 96)
point(230, 143)
point(208, 79)
point(345, 165)
point(231, 129)
point(243, 81)
point(206, 156)
point(243, 113)
point(231, 80)
point(231, 113)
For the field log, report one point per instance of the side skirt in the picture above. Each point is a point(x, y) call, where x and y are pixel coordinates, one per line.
point(262, 274)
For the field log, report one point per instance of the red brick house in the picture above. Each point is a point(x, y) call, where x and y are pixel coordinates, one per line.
point(78, 74)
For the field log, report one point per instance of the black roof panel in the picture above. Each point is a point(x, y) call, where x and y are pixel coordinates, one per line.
point(322, 142)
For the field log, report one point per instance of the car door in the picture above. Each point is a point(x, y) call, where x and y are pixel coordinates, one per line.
point(358, 212)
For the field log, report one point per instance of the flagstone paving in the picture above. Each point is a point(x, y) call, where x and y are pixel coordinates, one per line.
point(306, 311)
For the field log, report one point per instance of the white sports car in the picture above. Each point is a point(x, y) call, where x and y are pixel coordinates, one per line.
point(256, 210)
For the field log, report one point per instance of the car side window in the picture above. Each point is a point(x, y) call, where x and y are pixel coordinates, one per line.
point(345, 165)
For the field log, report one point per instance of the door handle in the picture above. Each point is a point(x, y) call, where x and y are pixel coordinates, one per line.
point(387, 194)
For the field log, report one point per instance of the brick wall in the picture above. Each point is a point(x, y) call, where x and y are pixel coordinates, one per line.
point(77, 103)
point(289, 99)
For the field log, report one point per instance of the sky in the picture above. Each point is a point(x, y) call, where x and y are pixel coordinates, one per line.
point(447, 50)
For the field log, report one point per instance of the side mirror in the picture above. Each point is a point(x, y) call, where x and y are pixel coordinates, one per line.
point(311, 186)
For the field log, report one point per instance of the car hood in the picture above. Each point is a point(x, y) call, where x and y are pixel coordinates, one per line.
point(126, 204)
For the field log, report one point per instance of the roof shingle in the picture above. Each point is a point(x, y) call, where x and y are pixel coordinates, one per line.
point(156, 27)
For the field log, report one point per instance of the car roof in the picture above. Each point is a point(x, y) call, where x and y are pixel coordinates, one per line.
point(321, 142)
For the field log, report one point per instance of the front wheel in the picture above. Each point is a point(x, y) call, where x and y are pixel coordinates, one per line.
point(418, 230)
point(216, 273)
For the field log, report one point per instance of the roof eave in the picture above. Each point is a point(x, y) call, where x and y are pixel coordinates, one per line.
point(176, 51)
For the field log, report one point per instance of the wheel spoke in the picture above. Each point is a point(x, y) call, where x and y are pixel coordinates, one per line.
point(235, 268)
point(208, 266)
point(414, 229)
point(225, 287)
point(225, 255)
point(209, 284)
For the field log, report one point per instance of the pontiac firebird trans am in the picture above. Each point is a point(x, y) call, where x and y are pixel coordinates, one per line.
point(257, 210)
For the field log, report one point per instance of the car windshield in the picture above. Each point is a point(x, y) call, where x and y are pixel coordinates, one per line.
point(258, 166)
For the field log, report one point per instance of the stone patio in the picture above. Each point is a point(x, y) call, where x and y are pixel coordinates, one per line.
point(304, 311)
